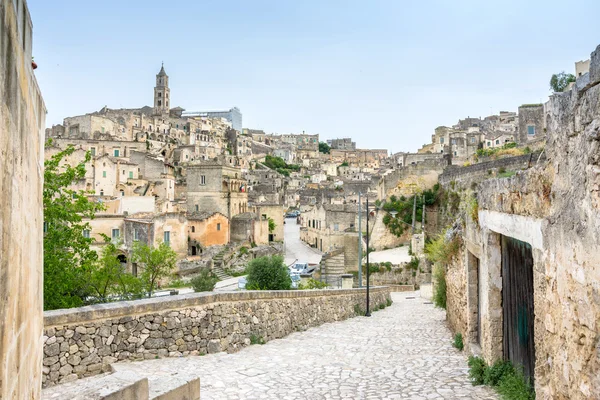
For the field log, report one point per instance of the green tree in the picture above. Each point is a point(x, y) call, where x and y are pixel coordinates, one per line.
point(157, 263)
point(268, 273)
point(272, 225)
point(67, 254)
point(559, 82)
point(205, 281)
point(324, 148)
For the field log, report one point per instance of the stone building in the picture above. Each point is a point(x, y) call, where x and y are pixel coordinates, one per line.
point(325, 225)
point(524, 284)
point(205, 230)
point(342, 144)
point(532, 125)
point(22, 118)
point(216, 186)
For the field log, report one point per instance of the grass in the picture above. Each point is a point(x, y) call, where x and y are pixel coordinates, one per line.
point(458, 341)
point(509, 382)
point(506, 174)
point(255, 339)
point(358, 310)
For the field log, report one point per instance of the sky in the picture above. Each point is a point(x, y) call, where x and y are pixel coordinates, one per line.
point(383, 72)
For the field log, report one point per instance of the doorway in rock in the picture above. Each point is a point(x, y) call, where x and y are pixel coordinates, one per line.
point(517, 304)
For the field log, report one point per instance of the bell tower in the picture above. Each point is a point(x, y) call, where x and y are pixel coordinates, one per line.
point(162, 93)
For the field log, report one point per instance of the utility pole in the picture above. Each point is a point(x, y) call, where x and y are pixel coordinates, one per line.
point(359, 243)
point(368, 313)
point(414, 216)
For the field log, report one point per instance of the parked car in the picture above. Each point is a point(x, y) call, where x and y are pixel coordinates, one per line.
point(299, 267)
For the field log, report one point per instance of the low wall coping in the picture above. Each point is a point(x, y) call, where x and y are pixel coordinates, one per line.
point(120, 309)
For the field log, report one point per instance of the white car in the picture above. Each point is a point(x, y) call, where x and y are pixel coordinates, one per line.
point(298, 268)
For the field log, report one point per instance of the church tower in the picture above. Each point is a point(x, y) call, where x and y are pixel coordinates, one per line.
point(161, 93)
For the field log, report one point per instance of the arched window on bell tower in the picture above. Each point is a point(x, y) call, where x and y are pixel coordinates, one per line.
point(162, 87)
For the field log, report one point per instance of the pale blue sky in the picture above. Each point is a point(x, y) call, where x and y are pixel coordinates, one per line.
point(383, 72)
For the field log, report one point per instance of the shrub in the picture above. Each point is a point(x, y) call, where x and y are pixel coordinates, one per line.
point(312, 284)
point(494, 374)
point(439, 294)
point(440, 250)
point(458, 341)
point(204, 282)
point(514, 386)
point(501, 170)
point(413, 263)
point(477, 367)
point(381, 306)
point(243, 250)
point(268, 273)
point(388, 302)
point(255, 339)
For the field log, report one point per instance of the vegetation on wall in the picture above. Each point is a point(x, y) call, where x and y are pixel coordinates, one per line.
point(404, 207)
point(312, 284)
point(272, 225)
point(559, 82)
point(279, 165)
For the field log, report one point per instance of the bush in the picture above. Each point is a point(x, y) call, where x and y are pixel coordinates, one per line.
point(312, 284)
point(477, 367)
point(413, 263)
point(514, 386)
point(458, 341)
point(243, 250)
point(381, 306)
point(268, 273)
point(494, 374)
point(204, 282)
point(388, 302)
point(439, 294)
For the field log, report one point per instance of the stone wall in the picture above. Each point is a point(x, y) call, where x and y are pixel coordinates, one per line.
point(22, 118)
point(554, 207)
point(464, 176)
point(85, 341)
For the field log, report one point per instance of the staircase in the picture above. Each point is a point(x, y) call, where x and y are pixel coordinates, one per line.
point(218, 264)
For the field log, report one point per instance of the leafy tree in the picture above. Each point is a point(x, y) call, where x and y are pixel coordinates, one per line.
point(67, 254)
point(157, 263)
point(324, 148)
point(205, 281)
point(268, 273)
point(272, 225)
point(559, 82)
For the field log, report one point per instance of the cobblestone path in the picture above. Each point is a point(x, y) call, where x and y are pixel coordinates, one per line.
point(402, 352)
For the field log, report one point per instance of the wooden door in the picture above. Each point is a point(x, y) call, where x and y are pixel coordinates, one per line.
point(517, 304)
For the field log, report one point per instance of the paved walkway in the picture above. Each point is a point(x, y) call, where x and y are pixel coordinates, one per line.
point(296, 249)
point(395, 256)
point(402, 352)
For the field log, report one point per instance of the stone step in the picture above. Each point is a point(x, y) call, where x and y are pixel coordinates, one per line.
point(127, 383)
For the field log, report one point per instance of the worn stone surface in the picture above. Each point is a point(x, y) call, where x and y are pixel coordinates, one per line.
point(22, 115)
point(401, 352)
point(554, 207)
point(185, 325)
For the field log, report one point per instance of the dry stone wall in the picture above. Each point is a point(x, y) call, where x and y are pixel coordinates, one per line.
point(85, 341)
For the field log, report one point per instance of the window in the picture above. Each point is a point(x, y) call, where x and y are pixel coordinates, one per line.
point(45, 227)
point(472, 140)
point(193, 229)
point(122, 193)
point(130, 174)
point(453, 141)
point(336, 227)
point(219, 227)
point(102, 193)
point(167, 237)
point(497, 141)
point(196, 207)
point(123, 172)
point(159, 94)
point(203, 179)
point(136, 236)
point(93, 151)
point(159, 103)
point(489, 144)
point(86, 233)
point(115, 234)
point(104, 174)
point(531, 129)
point(454, 153)
point(441, 140)
point(134, 269)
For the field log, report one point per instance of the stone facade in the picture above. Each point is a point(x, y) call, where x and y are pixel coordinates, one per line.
point(22, 117)
point(554, 208)
point(85, 341)
point(531, 123)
